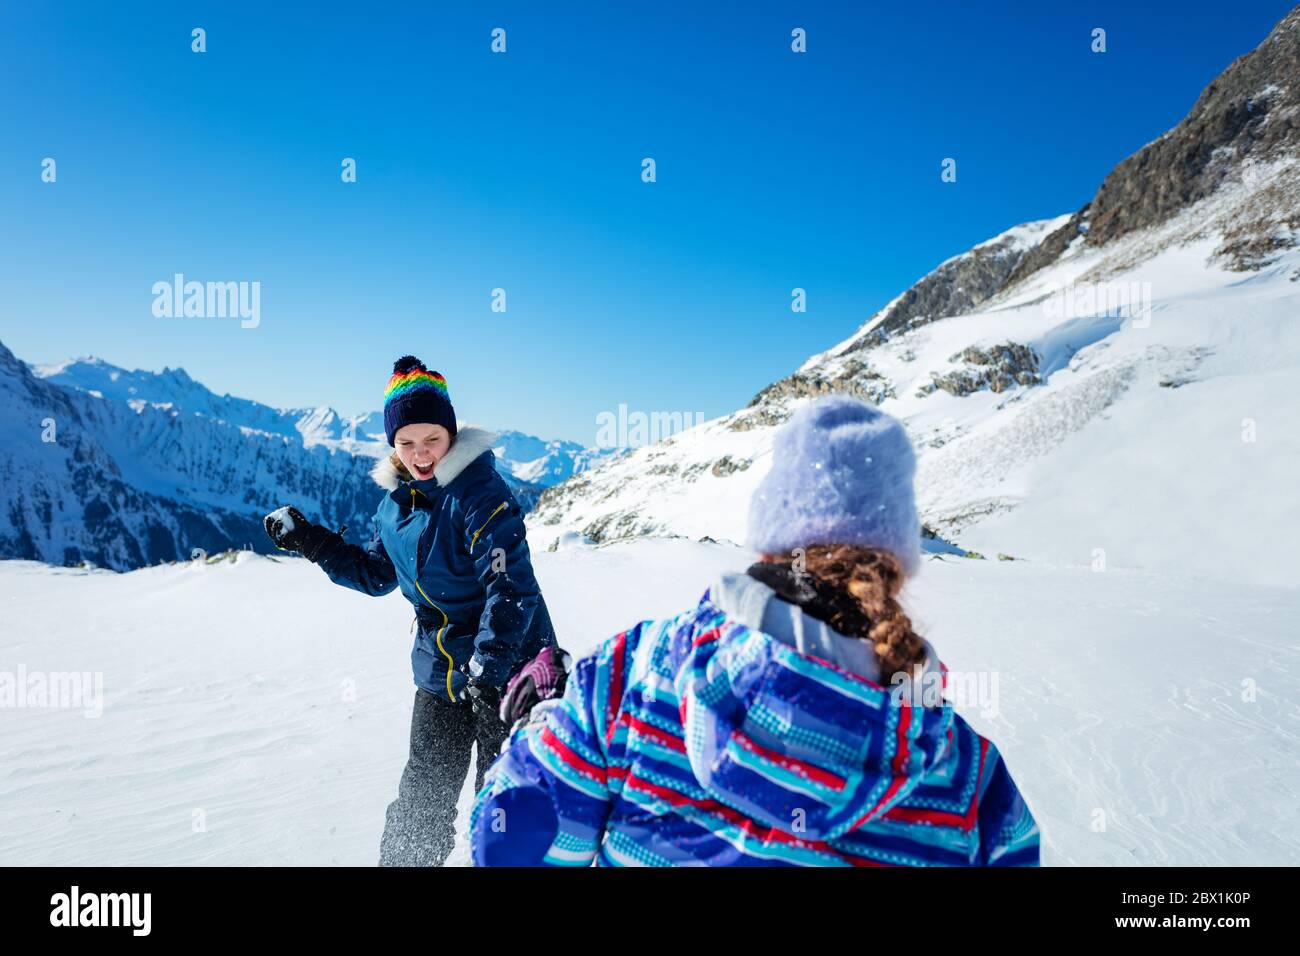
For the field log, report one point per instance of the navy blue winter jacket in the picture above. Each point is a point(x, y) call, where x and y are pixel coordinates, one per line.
point(455, 545)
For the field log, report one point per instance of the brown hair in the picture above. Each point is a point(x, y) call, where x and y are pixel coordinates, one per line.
point(857, 594)
point(396, 461)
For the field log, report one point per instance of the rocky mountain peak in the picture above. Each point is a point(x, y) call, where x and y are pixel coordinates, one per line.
point(1246, 119)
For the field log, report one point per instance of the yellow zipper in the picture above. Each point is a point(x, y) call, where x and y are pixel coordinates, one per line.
point(485, 524)
point(451, 664)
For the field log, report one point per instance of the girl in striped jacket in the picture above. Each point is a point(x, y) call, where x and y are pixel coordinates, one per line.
point(788, 719)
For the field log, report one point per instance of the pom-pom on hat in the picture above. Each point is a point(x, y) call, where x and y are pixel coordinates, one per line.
point(841, 474)
point(416, 395)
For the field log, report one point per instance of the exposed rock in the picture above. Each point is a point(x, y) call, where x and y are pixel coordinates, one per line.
point(958, 286)
point(619, 525)
point(758, 416)
point(555, 501)
point(1245, 113)
point(768, 407)
point(996, 369)
point(726, 465)
point(1253, 245)
point(855, 378)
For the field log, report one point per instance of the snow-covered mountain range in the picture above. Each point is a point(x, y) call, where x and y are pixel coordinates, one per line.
point(528, 462)
point(542, 463)
point(126, 468)
point(1115, 384)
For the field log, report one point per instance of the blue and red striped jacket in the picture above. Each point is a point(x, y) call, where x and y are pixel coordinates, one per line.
point(700, 741)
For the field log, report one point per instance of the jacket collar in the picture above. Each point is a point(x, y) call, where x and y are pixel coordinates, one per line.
point(751, 602)
point(471, 442)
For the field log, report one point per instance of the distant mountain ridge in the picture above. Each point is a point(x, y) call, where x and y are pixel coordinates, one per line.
point(150, 466)
point(524, 459)
point(176, 388)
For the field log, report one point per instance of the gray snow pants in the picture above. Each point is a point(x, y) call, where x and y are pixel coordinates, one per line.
point(420, 825)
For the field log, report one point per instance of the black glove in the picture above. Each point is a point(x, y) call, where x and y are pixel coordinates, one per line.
point(292, 532)
point(482, 697)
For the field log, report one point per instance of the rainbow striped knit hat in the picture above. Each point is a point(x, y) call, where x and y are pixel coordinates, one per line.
point(416, 395)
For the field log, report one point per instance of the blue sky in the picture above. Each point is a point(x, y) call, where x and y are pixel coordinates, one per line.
point(522, 171)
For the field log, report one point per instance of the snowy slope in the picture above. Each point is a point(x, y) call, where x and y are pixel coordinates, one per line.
point(1160, 433)
point(1115, 385)
point(272, 706)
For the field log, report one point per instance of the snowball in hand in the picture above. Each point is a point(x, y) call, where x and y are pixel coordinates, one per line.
point(282, 515)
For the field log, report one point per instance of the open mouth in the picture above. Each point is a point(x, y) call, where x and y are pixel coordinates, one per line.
point(422, 471)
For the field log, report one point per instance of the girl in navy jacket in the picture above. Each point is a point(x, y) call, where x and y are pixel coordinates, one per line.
point(450, 535)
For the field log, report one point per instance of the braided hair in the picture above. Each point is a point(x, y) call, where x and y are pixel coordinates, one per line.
point(855, 591)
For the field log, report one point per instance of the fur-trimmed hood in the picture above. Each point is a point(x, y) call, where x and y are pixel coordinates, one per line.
point(470, 442)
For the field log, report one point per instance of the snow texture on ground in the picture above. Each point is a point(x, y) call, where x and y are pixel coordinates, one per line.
point(255, 713)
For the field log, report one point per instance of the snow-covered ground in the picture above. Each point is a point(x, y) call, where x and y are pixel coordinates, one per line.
point(254, 713)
